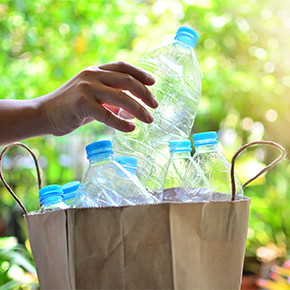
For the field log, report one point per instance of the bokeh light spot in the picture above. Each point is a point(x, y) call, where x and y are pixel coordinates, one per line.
point(209, 44)
point(260, 53)
point(269, 67)
point(229, 42)
point(64, 29)
point(141, 20)
point(247, 123)
point(18, 20)
point(210, 62)
point(268, 81)
point(271, 115)
point(220, 21)
point(266, 14)
point(241, 59)
point(242, 24)
point(273, 43)
point(286, 81)
point(286, 22)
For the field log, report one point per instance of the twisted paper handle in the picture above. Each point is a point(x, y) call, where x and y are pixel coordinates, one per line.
point(2, 177)
point(272, 164)
point(270, 143)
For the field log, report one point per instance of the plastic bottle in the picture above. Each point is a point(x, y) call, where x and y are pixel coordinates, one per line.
point(107, 183)
point(215, 166)
point(51, 198)
point(69, 192)
point(185, 181)
point(179, 161)
point(129, 163)
point(177, 88)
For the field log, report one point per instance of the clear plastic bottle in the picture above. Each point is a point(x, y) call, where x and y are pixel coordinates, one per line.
point(107, 183)
point(215, 166)
point(51, 198)
point(185, 181)
point(69, 192)
point(129, 163)
point(177, 88)
point(179, 160)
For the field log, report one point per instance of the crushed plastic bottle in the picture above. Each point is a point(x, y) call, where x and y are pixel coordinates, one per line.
point(177, 88)
point(129, 163)
point(107, 183)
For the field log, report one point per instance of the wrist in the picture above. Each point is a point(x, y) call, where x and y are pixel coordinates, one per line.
point(40, 120)
point(21, 119)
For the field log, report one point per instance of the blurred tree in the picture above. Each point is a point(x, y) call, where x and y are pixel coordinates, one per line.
point(243, 53)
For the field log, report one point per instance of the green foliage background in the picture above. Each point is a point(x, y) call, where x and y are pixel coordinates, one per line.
point(243, 53)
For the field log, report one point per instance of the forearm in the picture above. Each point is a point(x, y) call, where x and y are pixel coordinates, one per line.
point(21, 119)
point(96, 93)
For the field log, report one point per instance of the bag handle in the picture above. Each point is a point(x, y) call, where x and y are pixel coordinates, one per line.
point(272, 164)
point(2, 177)
point(269, 143)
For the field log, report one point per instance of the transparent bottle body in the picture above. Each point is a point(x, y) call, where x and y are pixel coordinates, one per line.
point(51, 203)
point(151, 165)
point(70, 201)
point(177, 167)
point(107, 183)
point(216, 168)
point(195, 187)
point(177, 89)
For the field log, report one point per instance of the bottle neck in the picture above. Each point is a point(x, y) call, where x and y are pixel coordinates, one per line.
point(70, 195)
point(100, 157)
point(206, 148)
point(183, 47)
point(181, 154)
point(49, 200)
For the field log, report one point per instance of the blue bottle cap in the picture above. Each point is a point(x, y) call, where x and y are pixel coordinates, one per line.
point(70, 189)
point(205, 138)
point(179, 146)
point(186, 35)
point(104, 146)
point(127, 161)
point(50, 190)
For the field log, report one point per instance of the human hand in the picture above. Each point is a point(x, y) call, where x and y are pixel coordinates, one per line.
point(96, 93)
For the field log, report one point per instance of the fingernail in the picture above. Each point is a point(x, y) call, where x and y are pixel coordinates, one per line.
point(150, 118)
point(150, 78)
point(155, 103)
point(132, 125)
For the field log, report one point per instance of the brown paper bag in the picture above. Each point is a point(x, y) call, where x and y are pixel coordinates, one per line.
point(164, 246)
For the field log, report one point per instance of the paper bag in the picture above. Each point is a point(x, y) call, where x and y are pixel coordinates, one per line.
point(164, 246)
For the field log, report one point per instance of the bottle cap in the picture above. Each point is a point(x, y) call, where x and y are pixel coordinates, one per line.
point(70, 189)
point(127, 161)
point(205, 138)
point(50, 190)
point(104, 146)
point(186, 35)
point(179, 146)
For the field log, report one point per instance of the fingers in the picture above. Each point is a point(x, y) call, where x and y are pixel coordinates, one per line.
point(130, 69)
point(118, 98)
point(101, 94)
point(101, 114)
point(113, 109)
point(124, 81)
